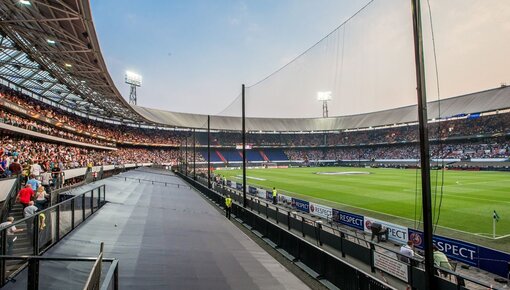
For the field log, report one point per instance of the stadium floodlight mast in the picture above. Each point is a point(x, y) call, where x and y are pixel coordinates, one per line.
point(133, 80)
point(324, 97)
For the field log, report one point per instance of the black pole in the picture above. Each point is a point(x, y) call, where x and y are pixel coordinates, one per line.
point(194, 155)
point(180, 158)
point(209, 151)
point(430, 281)
point(186, 154)
point(244, 149)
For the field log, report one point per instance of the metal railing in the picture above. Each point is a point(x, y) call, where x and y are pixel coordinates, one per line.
point(178, 185)
point(46, 228)
point(34, 280)
point(352, 243)
point(94, 279)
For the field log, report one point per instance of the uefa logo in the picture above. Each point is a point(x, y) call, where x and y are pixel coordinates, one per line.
point(416, 239)
point(312, 208)
point(368, 224)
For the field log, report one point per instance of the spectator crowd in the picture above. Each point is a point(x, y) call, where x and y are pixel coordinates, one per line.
point(386, 143)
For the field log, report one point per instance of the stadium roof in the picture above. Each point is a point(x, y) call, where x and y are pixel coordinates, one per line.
point(50, 47)
point(485, 101)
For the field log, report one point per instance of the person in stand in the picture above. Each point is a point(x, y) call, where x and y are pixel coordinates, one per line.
point(440, 260)
point(25, 195)
point(407, 252)
point(275, 195)
point(379, 231)
point(41, 198)
point(15, 167)
point(228, 206)
point(30, 210)
point(45, 181)
point(4, 167)
point(11, 234)
point(55, 172)
point(35, 169)
point(33, 182)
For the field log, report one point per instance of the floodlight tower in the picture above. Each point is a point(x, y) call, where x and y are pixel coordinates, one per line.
point(324, 97)
point(133, 80)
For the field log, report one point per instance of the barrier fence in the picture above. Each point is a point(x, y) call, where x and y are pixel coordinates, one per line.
point(45, 228)
point(292, 232)
point(487, 259)
point(178, 185)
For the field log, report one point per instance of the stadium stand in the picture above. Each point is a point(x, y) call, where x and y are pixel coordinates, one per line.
point(49, 120)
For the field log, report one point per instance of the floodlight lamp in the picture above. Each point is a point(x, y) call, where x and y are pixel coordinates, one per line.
point(68, 65)
point(323, 96)
point(133, 79)
point(25, 2)
point(51, 41)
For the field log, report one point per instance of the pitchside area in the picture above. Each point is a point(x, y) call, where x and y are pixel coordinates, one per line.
point(468, 199)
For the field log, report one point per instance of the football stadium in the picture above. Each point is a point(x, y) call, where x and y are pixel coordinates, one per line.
point(254, 145)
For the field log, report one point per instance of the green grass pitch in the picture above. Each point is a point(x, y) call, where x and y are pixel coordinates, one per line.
point(469, 197)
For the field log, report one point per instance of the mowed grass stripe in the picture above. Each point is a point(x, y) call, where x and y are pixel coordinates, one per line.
point(468, 197)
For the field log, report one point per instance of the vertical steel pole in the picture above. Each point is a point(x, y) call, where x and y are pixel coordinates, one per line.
point(244, 146)
point(430, 281)
point(180, 157)
point(186, 154)
point(33, 274)
point(194, 154)
point(209, 151)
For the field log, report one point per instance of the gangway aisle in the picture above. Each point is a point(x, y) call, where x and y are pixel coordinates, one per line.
point(169, 237)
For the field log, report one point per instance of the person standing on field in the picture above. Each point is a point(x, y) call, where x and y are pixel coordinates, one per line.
point(275, 195)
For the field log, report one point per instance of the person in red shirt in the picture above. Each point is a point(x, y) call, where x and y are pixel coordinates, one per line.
point(25, 195)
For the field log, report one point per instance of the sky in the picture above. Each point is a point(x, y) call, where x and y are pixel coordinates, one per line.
point(194, 55)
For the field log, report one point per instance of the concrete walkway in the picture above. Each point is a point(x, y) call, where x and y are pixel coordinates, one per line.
point(165, 238)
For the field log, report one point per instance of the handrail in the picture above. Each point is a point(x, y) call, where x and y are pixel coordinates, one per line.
point(8, 202)
point(153, 181)
point(94, 278)
point(33, 262)
point(52, 207)
point(48, 227)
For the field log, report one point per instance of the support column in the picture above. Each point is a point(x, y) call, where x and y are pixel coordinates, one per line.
point(430, 281)
point(209, 151)
point(194, 154)
point(244, 146)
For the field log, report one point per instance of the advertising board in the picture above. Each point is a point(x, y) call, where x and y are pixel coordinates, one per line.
point(396, 233)
point(349, 219)
point(321, 210)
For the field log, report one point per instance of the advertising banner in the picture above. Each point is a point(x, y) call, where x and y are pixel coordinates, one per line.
point(396, 233)
point(321, 210)
point(493, 261)
point(457, 250)
point(239, 186)
point(261, 193)
point(300, 204)
point(285, 200)
point(349, 219)
point(269, 195)
point(252, 190)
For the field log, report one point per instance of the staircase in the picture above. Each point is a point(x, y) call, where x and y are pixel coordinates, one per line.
point(264, 156)
point(221, 156)
point(23, 245)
